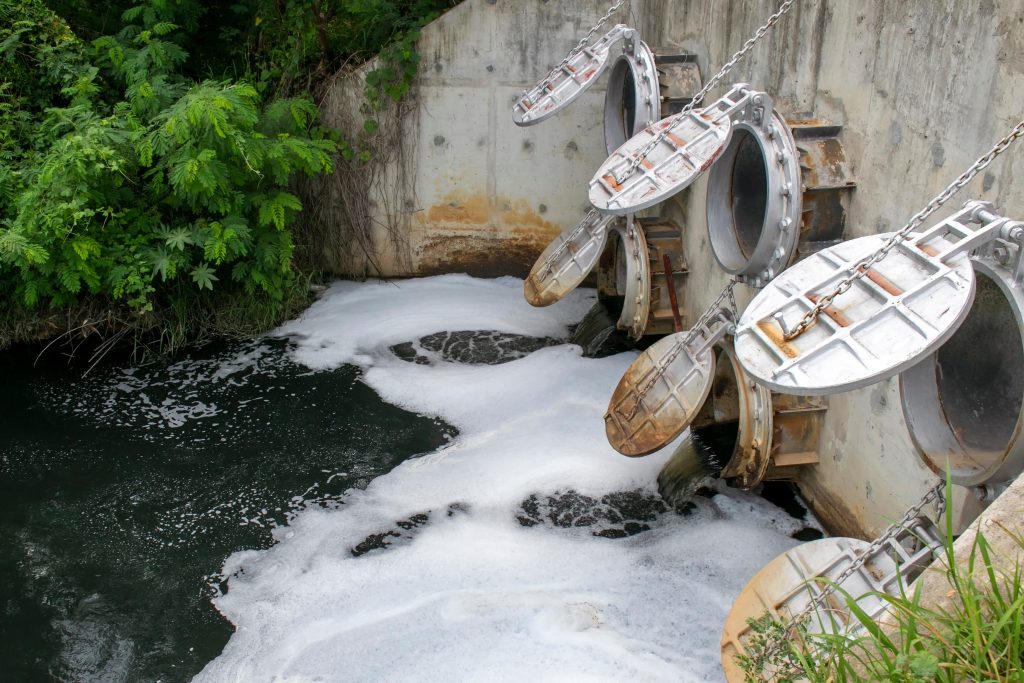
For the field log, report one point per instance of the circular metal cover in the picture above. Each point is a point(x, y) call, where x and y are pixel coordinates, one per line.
point(635, 269)
point(756, 247)
point(567, 260)
point(906, 306)
point(633, 96)
point(692, 143)
point(556, 92)
point(659, 395)
point(786, 585)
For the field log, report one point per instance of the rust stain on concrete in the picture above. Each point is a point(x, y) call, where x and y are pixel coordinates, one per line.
point(459, 210)
point(838, 516)
point(480, 235)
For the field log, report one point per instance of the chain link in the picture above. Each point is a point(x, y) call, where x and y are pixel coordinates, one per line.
point(660, 137)
point(640, 155)
point(682, 342)
point(549, 262)
point(583, 43)
point(936, 493)
point(862, 268)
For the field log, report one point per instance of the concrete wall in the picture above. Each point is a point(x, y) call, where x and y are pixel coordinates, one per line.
point(487, 196)
point(922, 87)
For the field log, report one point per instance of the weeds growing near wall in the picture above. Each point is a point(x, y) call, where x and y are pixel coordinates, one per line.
point(977, 638)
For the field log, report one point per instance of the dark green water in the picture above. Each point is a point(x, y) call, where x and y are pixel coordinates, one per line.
point(122, 493)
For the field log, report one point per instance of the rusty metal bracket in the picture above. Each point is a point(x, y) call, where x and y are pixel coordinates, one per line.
point(677, 320)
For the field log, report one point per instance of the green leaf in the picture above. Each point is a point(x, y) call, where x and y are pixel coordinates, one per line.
point(162, 264)
point(85, 247)
point(924, 665)
point(30, 294)
point(274, 210)
point(203, 276)
point(164, 27)
point(179, 238)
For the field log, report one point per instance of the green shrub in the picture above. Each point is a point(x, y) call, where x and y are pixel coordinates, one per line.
point(138, 176)
point(121, 178)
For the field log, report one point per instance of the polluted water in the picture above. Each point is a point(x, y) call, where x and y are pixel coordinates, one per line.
point(122, 493)
point(695, 462)
point(523, 549)
point(409, 482)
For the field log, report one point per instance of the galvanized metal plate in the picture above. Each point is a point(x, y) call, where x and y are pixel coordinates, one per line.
point(560, 89)
point(906, 306)
point(659, 395)
point(734, 397)
point(564, 264)
point(787, 584)
point(634, 271)
point(690, 143)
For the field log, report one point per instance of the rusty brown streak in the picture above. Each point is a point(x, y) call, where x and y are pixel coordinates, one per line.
point(676, 140)
point(833, 312)
point(610, 179)
point(677, 320)
point(777, 338)
point(885, 283)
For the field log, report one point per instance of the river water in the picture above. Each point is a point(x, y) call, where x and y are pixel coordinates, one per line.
point(412, 485)
point(123, 493)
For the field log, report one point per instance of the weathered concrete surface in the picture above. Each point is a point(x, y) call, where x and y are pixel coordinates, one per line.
point(922, 87)
point(1002, 526)
point(487, 196)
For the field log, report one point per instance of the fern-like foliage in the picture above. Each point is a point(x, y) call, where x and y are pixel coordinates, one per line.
point(121, 178)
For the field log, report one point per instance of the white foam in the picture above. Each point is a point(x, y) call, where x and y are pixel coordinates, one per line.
point(354, 318)
point(472, 594)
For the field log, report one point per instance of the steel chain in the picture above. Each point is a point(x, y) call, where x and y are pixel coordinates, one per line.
point(681, 343)
point(937, 493)
point(550, 260)
point(641, 154)
point(697, 99)
point(862, 268)
point(583, 43)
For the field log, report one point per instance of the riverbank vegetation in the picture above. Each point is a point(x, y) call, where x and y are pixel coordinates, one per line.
point(149, 153)
point(978, 636)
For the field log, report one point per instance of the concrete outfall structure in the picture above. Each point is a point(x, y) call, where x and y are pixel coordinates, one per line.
point(920, 88)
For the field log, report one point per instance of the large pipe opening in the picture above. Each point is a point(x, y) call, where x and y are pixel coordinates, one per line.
point(963, 403)
point(620, 105)
point(738, 192)
point(718, 423)
point(980, 373)
point(749, 190)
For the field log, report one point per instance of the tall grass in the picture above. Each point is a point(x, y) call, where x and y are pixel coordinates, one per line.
point(973, 634)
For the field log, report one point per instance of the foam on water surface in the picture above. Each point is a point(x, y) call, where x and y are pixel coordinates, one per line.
point(461, 588)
